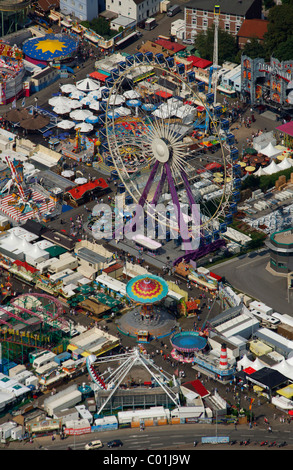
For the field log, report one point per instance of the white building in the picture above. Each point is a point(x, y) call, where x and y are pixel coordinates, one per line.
point(84, 10)
point(138, 10)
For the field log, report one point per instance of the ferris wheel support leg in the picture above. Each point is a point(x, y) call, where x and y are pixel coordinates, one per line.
point(159, 188)
point(148, 185)
point(191, 198)
point(182, 226)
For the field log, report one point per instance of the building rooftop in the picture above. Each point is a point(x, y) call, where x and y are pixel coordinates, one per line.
point(79, 191)
point(170, 46)
point(285, 237)
point(255, 28)
point(226, 6)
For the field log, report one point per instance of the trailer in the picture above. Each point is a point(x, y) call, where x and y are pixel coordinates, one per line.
point(67, 398)
point(150, 24)
point(66, 261)
point(173, 10)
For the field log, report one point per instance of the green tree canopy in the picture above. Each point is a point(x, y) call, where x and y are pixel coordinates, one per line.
point(280, 26)
point(254, 49)
point(285, 50)
point(101, 26)
point(227, 45)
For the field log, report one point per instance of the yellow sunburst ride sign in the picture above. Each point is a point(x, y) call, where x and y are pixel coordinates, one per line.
point(51, 45)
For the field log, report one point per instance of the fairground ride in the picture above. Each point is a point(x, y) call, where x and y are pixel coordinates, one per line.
point(165, 164)
point(123, 363)
point(32, 321)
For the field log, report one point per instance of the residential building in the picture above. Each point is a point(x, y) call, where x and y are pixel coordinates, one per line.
point(250, 29)
point(199, 15)
point(83, 10)
point(139, 10)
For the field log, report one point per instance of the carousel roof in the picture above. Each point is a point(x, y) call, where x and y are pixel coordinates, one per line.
point(50, 47)
point(147, 289)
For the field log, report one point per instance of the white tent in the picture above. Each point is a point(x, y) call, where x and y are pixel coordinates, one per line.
point(185, 112)
point(75, 104)
point(12, 242)
point(122, 111)
point(244, 363)
point(116, 100)
point(95, 105)
point(68, 88)
point(163, 111)
point(62, 109)
point(262, 141)
point(77, 95)
point(87, 101)
point(67, 173)
point(59, 101)
point(284, 368)
point(87, 84)
point(25, 246)
point(260, 172)
point(80, 180)
point(80, 114)
point(258, 364)
point(131, 94)
point(84, 127)
point(285, 164)
point(97, 94)
point(270, 151)
point(94, 95)
point(65, 124)
point(271, 168)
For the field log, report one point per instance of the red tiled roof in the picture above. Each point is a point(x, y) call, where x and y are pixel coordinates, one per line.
point(47, 5)
point(198, 62)
point(79, 191)
point(112, 268)
point(170, 46)
point(253, 29)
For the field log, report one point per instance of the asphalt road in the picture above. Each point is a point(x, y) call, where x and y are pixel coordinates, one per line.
point(249, 275)
point(172, 439)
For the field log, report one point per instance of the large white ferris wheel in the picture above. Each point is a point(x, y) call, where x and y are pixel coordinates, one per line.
point(154, 112)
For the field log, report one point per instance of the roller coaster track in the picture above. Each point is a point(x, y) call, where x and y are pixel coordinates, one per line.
point(24, 343)
point(95, 377)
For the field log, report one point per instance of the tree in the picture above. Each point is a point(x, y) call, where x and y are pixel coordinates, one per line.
point(254, 49)
point(284, 50)
point(101, 26)
point(268, 4)
point(227, 45)
point(280, 27)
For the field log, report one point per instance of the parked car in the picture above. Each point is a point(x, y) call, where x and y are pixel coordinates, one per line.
point(93, 445)
point(115, 443)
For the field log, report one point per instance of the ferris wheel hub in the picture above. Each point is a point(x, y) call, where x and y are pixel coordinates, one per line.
point(160, 150)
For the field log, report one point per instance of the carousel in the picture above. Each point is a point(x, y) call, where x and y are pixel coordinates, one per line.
point(186, 344)
point(148, 318)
